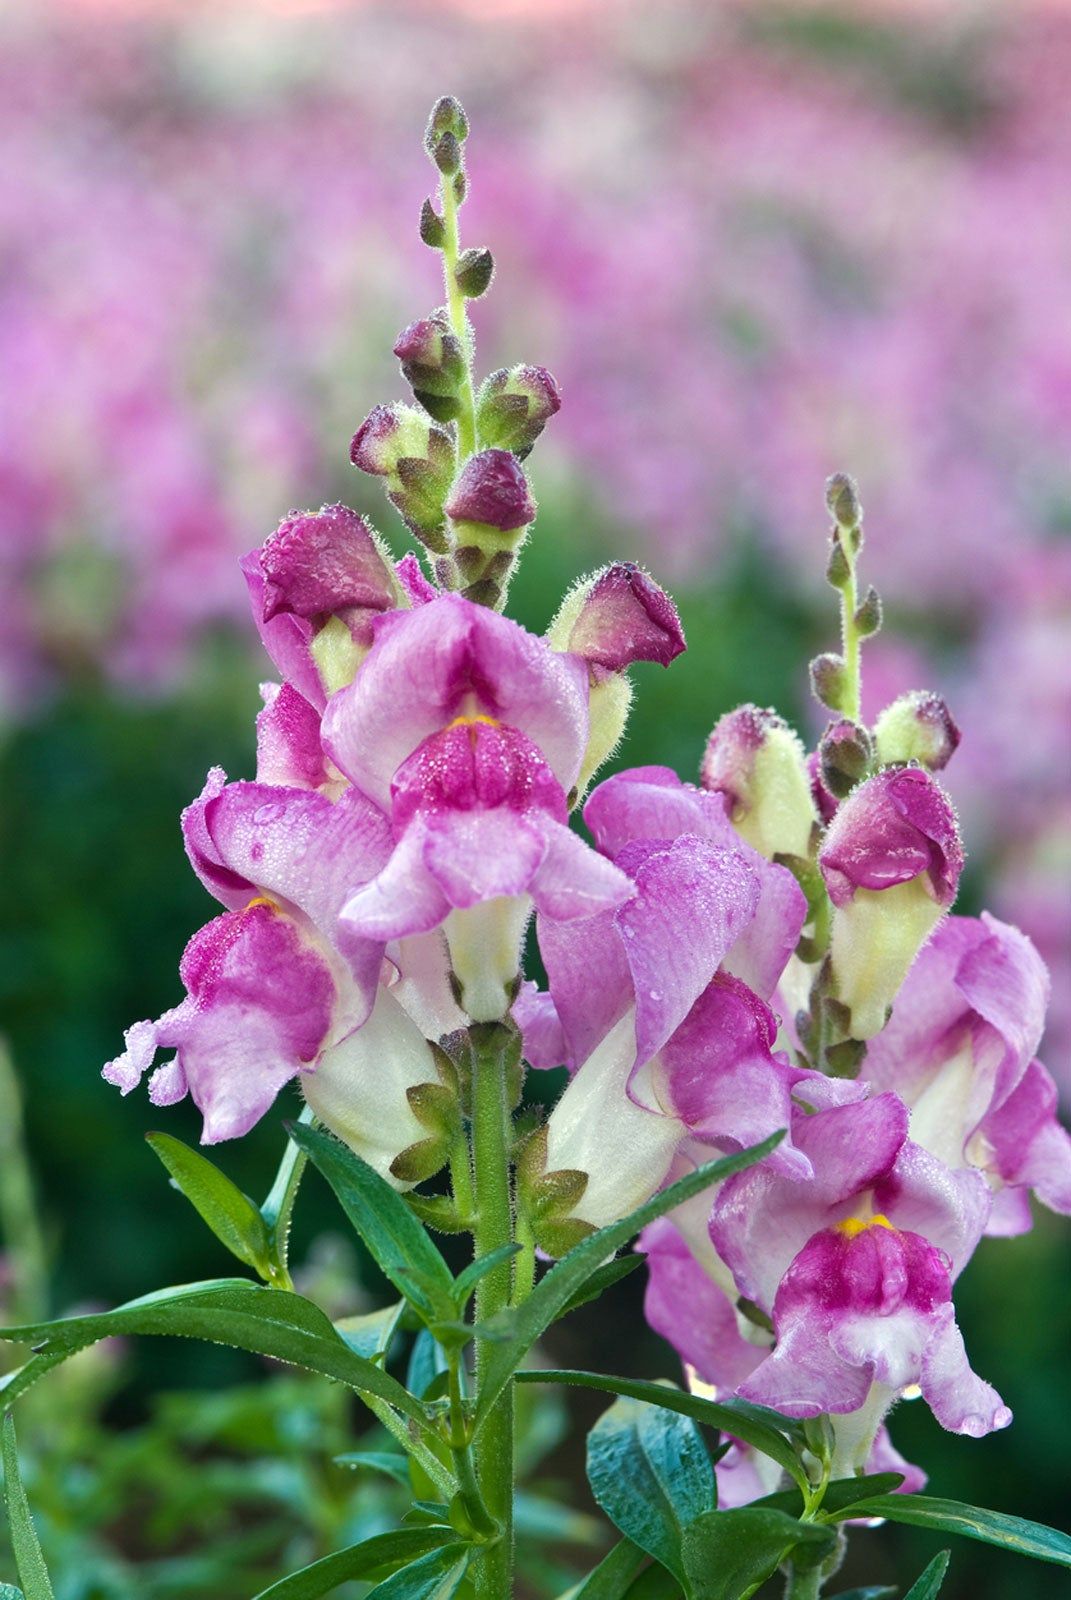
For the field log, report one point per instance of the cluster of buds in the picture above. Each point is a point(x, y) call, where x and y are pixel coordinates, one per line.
point(452, 465)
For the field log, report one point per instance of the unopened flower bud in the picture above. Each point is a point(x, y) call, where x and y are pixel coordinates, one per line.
point(492, 491)
point(322, 563)
point(446, 154)
point(617, 616)
point(447, 116)
point(829, 683)
point(868, 613)
point(891, 861)
point(838, 570)
point(917, 727)
point(434, 363)
point(475, 269)
point(514, 405)
point(842, 498)
point(845, 753)
point(757, 762)
point(432, 228)
point(416, 457)
point(825, 803)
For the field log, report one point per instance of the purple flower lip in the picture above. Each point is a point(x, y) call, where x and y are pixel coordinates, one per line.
point(626, 617)
point(319, 562)
point(371, 442)
point(736, 739)
point(492, 489)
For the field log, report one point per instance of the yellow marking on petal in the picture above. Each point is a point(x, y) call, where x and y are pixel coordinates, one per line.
point(468, 722)
point(261, 900)
point(852, 1227)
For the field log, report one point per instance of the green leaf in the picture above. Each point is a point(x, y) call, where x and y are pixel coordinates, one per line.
point(754, 1425)
point(728, 1553)
point(231, 1215)
point(929, 1585)
point(8, 1593)
point(369, 1334)
point(655, 1584)
point(609, 1274)
point(549, 1297)
point(400, 1245)
point(466, 1281)
point(841, 1492)
point(612, 1578)
point(650, 1472)
point(949, 1516)
point(882, 1592)
point(370, 1559)
point(434, 1577)
point(29, 1562)
point(388, 1462)
point(269, 1322)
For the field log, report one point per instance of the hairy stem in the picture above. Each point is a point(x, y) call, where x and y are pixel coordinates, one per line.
point(493, 1567)
point(803, 1585)
point(850, 635)
point(459, 321)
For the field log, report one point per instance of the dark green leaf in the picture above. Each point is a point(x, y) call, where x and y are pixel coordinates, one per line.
point(388, 1462)
point(727, 1553)
point(269, 1322)
point(231, 1215)
point(399, 1243)
point(613, 1576)
point(426, 1363)
point(882, 1592)
point(655, 1584)
point(547, 1521)
point(547, 1300)
point(610, 1273)
point(929, 1585)
point(466, 1281)
point(369, 1335)
point(754, 1425)
point(974, 1522)
point(371, 1559)
point(433, 1577)
point(841, 1492)
point(650, 1472)
point(29, 1562)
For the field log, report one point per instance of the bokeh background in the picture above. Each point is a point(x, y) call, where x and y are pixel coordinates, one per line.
point(756, 243)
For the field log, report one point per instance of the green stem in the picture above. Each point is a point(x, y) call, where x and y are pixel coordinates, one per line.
point(491, 1129)
point(278, 1208)
point(459, 321)
point(20, 1226)
point(461, 1180)
point(803, 1585)
point(849, 603)
point(524, 1264)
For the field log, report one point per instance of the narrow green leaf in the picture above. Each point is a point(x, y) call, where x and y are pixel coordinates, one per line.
point(974, 1522)
point(433, 1577)
point(388, 1462)
point(610, 1273)
point(928, 1586)
point(728, 1553)
point(754, 1425)
point(29, 1562)
point(525, 1324)
point(373, 1558)
point(231, 1215)
point(655, 1584)
point(399, 1243)
point(841, 1492)
point(369, 1334)
point(612, 1578)
point(269, 1322)
point(466, 1281)
point(649, 1471)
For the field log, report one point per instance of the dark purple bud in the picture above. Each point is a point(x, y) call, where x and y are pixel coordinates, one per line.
point(475, 269)
point(824, 802)
point(447, 116)
point(868, 613)
point(321, 562)
point(917, 727)
point(837, 569)
point(492, 489)
point(432, 228)
point(446, 154)
point(845, 753)
point(618, 616)
point(433, 362)
point(513, 406)
point(842, 498)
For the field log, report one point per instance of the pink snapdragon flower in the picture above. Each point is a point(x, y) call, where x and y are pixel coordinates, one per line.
point(959, 1051)
point(469, 732)
point(855, 1269)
